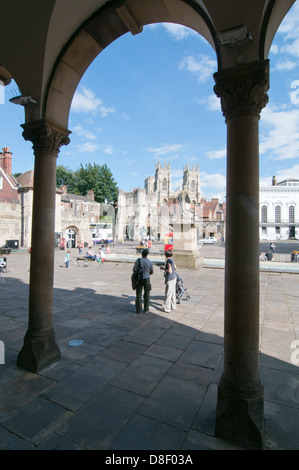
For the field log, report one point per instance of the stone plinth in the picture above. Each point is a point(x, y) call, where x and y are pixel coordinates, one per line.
point(185, 251)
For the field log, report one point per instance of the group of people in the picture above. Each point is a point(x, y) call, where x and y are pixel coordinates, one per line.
point(90, 254)
point(147, 270)
point(269, 255)
point(146, 243)
point(100, 256)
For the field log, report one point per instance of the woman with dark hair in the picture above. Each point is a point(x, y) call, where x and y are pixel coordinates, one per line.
point(170, 282)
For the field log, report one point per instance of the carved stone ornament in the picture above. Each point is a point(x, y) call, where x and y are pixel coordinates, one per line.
point(243, 90)
point(45, 137)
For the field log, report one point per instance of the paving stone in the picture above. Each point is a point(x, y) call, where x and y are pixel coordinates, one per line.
point(10, 441)
point(165, 403)
point(21, 390)
point(193, 373)
point(36, 420)
point(96, 424)
point(164, 352)
point(142, 375)
point(281, 427)
point(79, 387)
point(143, 433)
point(124, 351)
point(203, 354)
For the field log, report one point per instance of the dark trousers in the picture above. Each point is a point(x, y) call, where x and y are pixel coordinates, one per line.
point(146, 286)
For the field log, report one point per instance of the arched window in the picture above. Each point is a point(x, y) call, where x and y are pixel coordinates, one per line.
point(291, 214)
point(164, 185)
point(264, 214)
point(193, 187)
point(277, 214)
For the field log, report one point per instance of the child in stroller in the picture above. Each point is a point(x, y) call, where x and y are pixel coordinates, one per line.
point(180, 289)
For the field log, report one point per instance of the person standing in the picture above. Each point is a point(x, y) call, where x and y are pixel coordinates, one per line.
point(67, 259)
point(102, 256)
point(272, 247)
point(170, 282)
point(147, 270)
point(80, 248)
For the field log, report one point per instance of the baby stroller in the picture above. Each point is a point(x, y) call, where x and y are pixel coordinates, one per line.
point(180, 289)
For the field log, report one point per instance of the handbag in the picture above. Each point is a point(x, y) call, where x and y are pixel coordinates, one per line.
point(137, 276)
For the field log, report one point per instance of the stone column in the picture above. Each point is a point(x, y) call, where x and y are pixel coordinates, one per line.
point(240, 406)
point(40, 349)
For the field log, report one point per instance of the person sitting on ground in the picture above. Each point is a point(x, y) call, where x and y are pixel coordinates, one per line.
point(90, 253)
point(268, 256)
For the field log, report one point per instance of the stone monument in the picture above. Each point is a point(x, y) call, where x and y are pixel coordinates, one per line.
point(185, 250)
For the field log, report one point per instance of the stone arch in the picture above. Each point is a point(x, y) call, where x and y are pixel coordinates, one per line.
point(101, 29)
point(72, 232)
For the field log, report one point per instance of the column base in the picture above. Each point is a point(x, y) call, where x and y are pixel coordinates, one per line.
point(39, 351)
point(240, 416)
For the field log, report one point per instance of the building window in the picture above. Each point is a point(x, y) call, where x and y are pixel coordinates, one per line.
point(277, 214)
point(291, 215)
point(277, 230)
point(264, 230)
point(193, 187)
point(164, 185)
point(264, 214)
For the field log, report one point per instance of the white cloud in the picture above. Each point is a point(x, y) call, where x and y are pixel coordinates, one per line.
point(88, 147)
point(84, 133)
point(216, 154)
point(203, 67)
point(281, 174)
point(294, 94)
point(109, 149)
point(290, 24)
point(216, 181)
point(85, 101)
point(274, 49)
point(165, 149)
point(289, 28)
point(280, 133)
point(285, 66)
point(212, 102)
point(178, 32)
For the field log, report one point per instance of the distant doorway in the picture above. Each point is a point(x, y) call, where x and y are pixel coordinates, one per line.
point(292, 231)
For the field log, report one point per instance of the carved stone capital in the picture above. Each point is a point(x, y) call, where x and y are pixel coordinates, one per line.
point(45, 137)
point(243, 90)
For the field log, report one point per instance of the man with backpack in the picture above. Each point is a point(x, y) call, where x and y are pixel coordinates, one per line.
point(143, 268)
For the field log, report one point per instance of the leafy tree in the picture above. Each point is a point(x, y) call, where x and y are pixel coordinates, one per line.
point(66, 177)
point(99, 179)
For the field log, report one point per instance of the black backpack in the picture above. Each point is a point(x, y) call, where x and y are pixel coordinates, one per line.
point(137, 275)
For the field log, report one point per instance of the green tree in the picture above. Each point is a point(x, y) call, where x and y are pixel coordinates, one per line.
point(99, 179)
point(66, 177)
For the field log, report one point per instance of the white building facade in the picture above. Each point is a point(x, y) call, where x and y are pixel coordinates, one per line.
point(279, 210)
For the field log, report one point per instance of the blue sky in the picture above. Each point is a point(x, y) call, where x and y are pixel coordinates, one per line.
point(149, 98)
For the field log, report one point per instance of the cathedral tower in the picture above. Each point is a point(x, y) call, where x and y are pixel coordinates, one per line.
point(163, 181)
point(191, 182)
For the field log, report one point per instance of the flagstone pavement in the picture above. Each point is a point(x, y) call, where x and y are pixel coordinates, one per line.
point(139, 381)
